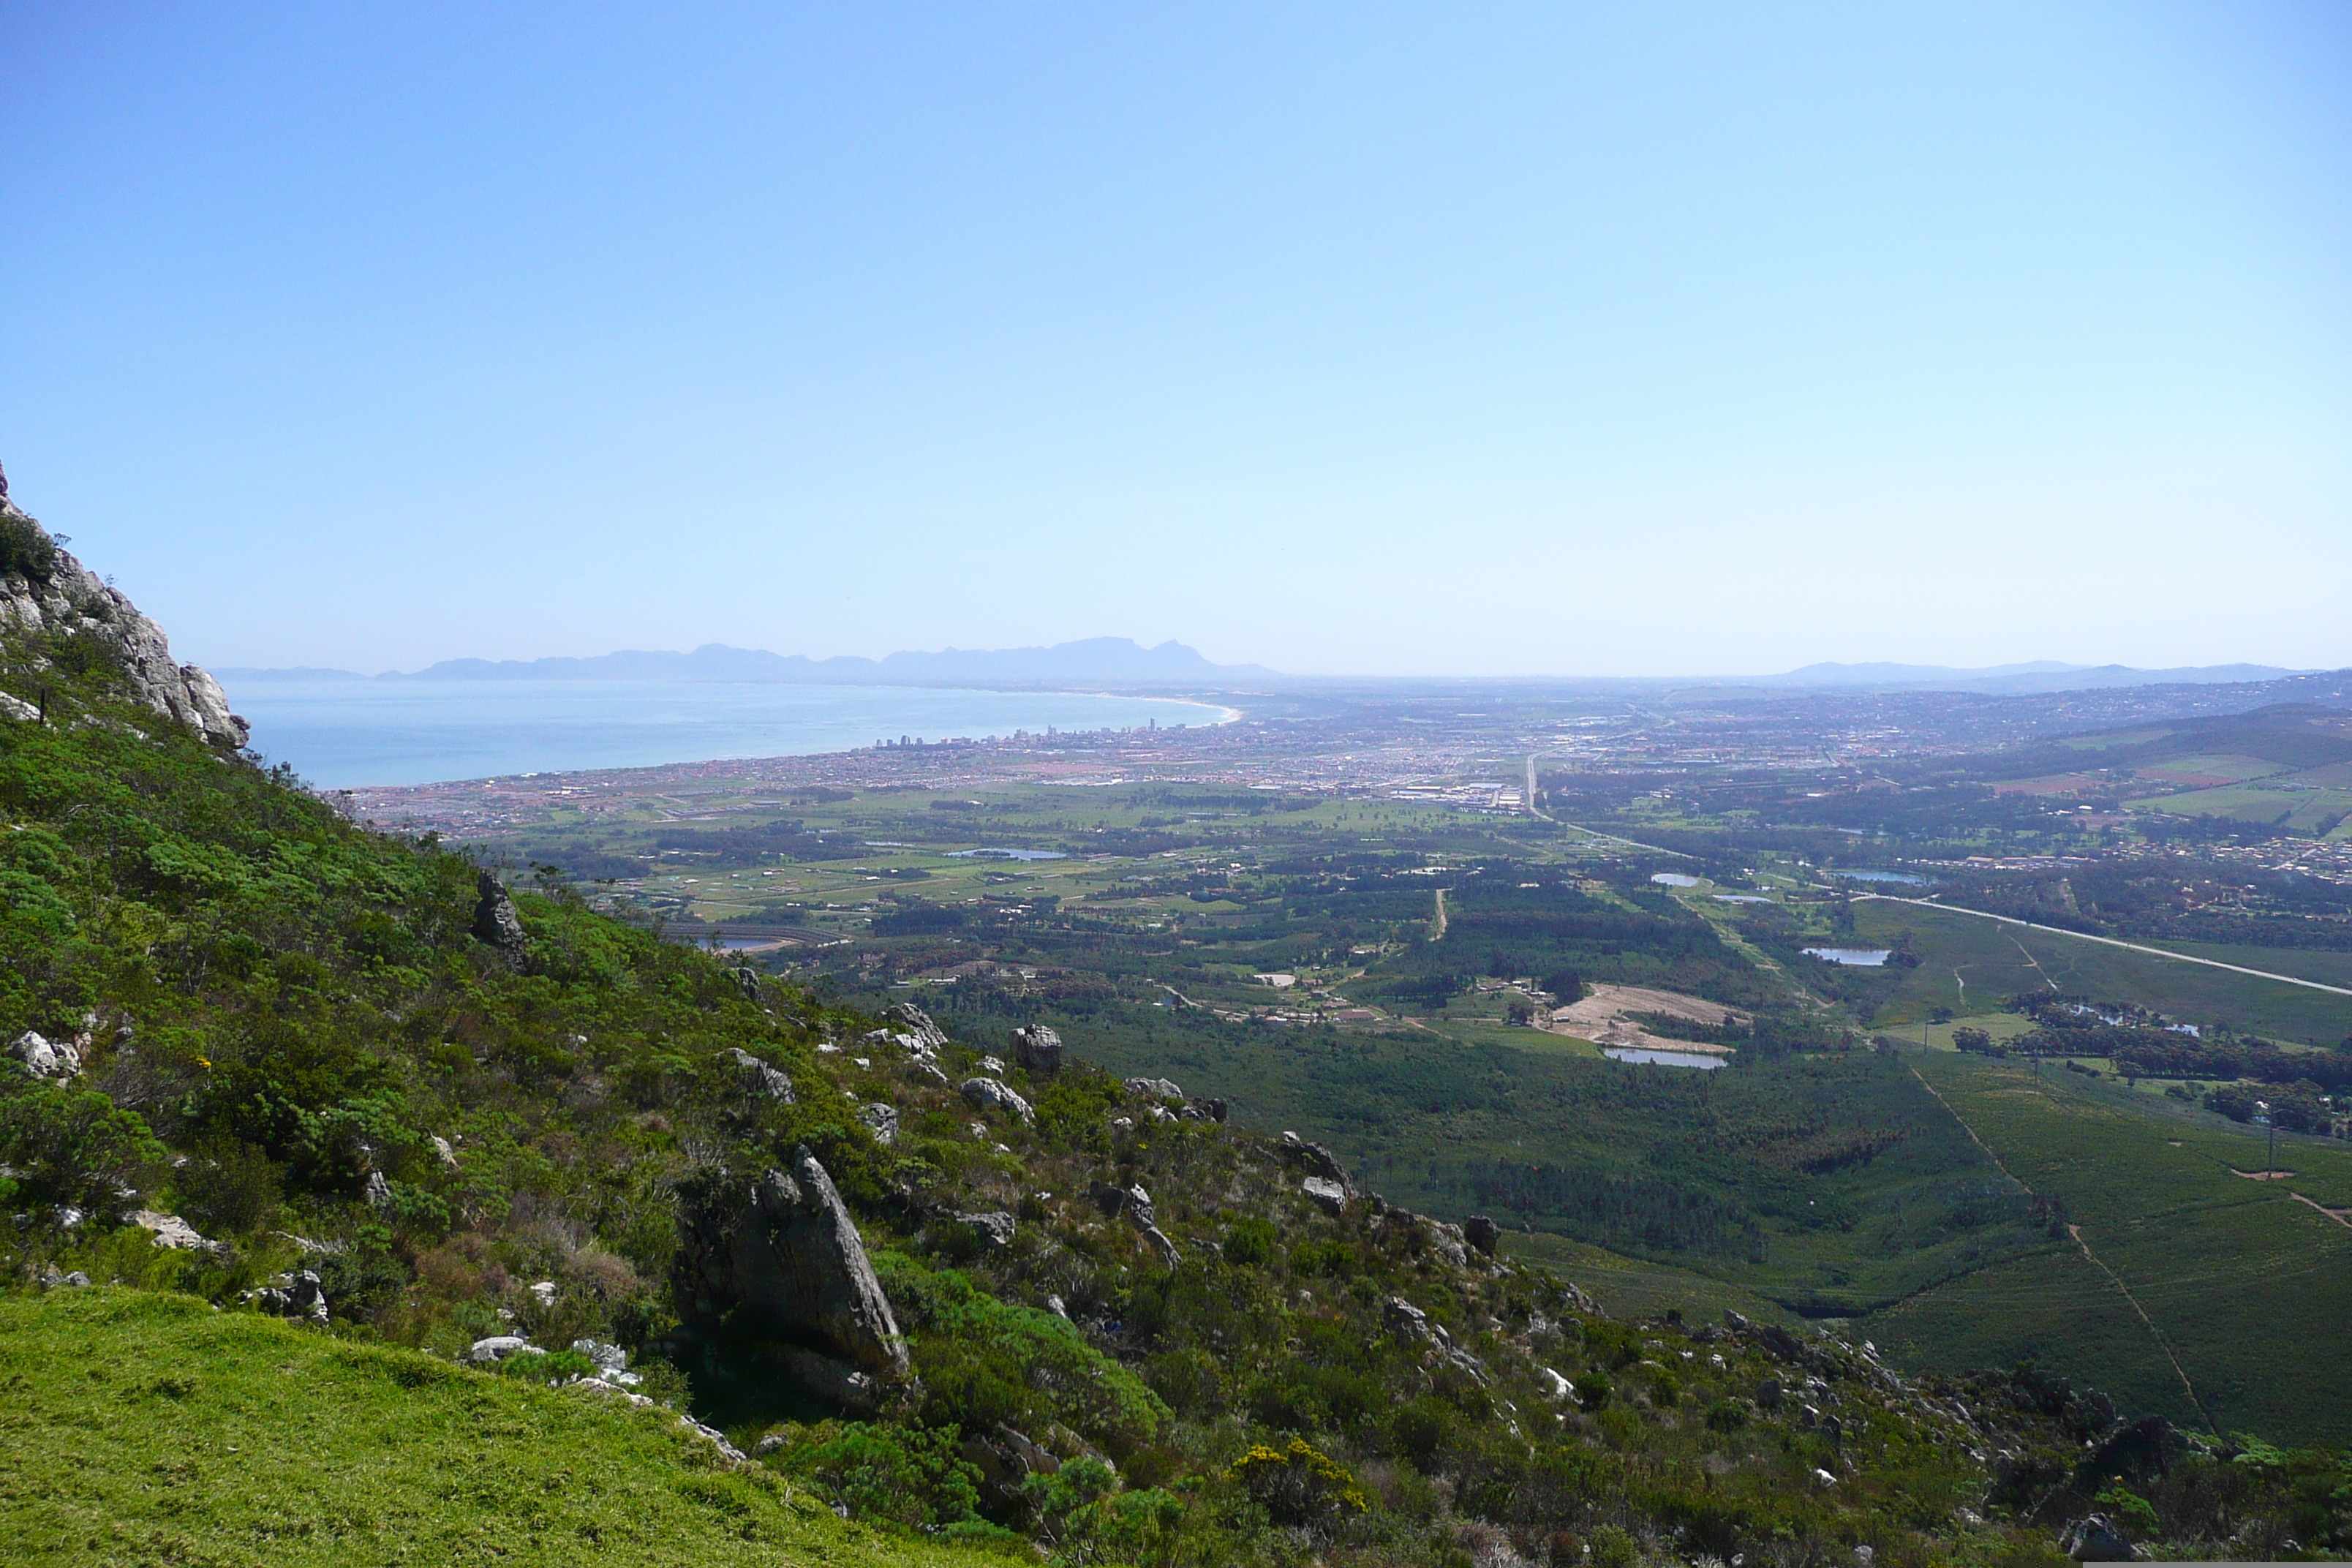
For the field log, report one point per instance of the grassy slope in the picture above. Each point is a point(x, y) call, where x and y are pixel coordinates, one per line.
point(142, 1428)
point(2228, 1269)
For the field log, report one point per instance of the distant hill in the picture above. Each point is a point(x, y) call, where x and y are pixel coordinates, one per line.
point(1117, 661)
point(2018, 679)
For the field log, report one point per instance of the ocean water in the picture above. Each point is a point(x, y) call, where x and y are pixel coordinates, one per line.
point(341, 734)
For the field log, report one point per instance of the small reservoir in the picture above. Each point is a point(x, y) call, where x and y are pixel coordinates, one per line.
point(1700, 1059)
point(1673, 879)
point(1853, 957)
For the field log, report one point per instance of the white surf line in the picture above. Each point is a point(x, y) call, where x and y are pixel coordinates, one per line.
point(2111, 941)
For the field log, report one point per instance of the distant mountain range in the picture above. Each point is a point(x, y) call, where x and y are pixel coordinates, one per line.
point(2018, 679)
point(1122, 661)
point(1116, 660)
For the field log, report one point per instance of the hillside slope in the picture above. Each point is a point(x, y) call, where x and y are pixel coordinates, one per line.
point(263, 1059)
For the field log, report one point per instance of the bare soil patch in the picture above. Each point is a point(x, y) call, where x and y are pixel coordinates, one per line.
point(1601, 1018)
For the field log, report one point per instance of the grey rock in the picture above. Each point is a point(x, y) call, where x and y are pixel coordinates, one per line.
point(834, 1382)
point(43, 1057)
point(292, 1296)
point(378, 1192)
point(1154, 1088)
point(495, 921)
point(608, 1357)
point(1058, 1307)
point(997, 1226)
point(1139, 1208)
point(1216, 1109)
point(786, 1259)
point(1038, 1049)
point(983, 1093)
point(1314, 1159)
point(443, 1153)
point(498, 1347)
point(53, 1279)
point(175, 1233)
point(1482, 1234)
point(929, 1036)
point(65, 597)
point(1404, 1320)
point(1110, 1199)
point(772, 1443)
point(880, 1119)
point(747, 980)
point(1164, 1248)
point(1328, 1195)
point(927, 1073)
point(20, 710)
point(768, 1081)
point(2095, 1538)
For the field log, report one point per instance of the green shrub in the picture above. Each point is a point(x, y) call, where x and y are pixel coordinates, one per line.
point(74, 1147)
point(985, 1362)
point(908, 1475)
point(1299, 1485)
point(1249, 1243)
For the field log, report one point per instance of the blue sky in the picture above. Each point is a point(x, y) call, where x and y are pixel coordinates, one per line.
point(1573, 338)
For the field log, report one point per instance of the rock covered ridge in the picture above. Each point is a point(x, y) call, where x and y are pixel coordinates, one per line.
point(44, 589)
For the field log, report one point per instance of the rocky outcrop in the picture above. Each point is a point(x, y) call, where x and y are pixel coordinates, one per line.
point(782, 1260)
point(176, 1234)
point(1482, 1233)
point(2095, 1538)
point(43, 589)
point(995, 1227)
point(927, 1036)
point(292, 1296)
point(984, 1093)
point(1314, 1159)
point(880, 1119)
point(765, 1080)
point(1038, 1049)
point(495, 921)
point(1330, 1197)
point(44, 1057)
point(1155, 1089)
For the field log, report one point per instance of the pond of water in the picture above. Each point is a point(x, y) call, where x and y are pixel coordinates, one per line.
point(1666, 1058)
point(1853, 957)
point(1675, 880)
point(1007, 855)
point(1883, 877)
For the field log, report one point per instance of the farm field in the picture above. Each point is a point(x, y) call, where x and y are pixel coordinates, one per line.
point(2231, 1273)
point(1998, 959)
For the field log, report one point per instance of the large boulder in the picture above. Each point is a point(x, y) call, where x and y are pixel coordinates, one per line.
point(927, 1036)
point(1158, 1089)
point(1482, 1233)
point(782, 1260)
point(1038, 1049)
point(298, 1295)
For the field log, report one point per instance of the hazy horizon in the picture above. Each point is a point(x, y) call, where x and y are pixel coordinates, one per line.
point(1625, 341)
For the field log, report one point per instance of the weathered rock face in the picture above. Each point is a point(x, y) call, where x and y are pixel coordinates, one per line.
point(1038, 1049)
point(880, 1119)
point(292, 1296)
point(927, 1036)
point(1154, 1088)
point(495, 921)
point(1328, 1195)
point(43, 589)
point(1482, 1233)
point(786, 1260)
point(173, 1233)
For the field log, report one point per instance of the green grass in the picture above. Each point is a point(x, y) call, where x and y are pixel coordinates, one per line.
point(2234, 1274)
point(2300, 810)
point(142, 1428)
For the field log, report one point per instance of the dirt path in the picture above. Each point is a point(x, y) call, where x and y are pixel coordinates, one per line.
point(2075, 1232)
point(1437, 922)
point(2341, 1217)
